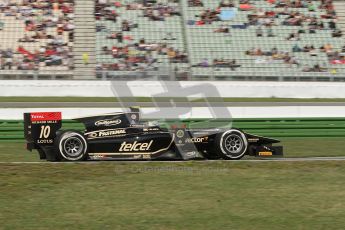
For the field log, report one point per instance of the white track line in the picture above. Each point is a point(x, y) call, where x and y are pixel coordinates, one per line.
point(204, 161)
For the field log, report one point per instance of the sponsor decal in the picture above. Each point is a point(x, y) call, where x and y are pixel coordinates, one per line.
point(99, 156)
point(107, 122)
point(265, 153)
point(45, 116)
point(93, 135)
point(111, 133)
point(135, 146)
point(253, 139)
point(150, 129)
point(180, 133)
point(106, 133)
point(45, 141)
point(137, 156)
point(145, 156)
point(191, 154)
point(196, 139)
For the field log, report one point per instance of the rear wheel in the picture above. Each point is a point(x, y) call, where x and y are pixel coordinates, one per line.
point(231, 145)
point(72, 146)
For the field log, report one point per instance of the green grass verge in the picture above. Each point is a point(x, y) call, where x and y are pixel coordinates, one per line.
point(293, 147)
point(185, 195)
point(146, 99)
point(180, 195)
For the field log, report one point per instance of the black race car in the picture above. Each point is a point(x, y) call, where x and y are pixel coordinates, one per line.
point(120, 136)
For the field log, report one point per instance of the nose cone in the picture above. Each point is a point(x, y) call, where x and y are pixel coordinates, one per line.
point(261, 139)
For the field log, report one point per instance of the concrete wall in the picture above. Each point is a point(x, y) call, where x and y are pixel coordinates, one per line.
point(156, 88)
point(232, 112)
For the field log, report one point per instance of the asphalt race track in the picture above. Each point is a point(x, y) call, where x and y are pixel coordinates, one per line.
point(290, 159)
point(159, 104)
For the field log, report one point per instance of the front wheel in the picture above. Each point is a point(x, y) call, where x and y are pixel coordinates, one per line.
point(72, 146)
point(231, 145)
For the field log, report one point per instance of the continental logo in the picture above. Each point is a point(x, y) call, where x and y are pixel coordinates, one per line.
point(106, 133)
point(107, 122)
point(196, 139)
point(135, 146)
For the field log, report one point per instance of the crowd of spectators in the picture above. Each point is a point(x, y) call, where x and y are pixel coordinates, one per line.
point(159, 12)
point(227, 3)
point(314, 68)
point(104, 10)
point(22, 59)
point(140, 56)
point(259, 17)
point(288, 14)
point(272, 55)
point(296, 4)
point(327, 5)
point(223, 29)
point(131, 54)
point(193, 3)
point(154, 11)
point(224, 3)
point(38, 17)
point(306, 49)
point(334, 56)
point(307, 23)
point(208, 16)
point(219, 63)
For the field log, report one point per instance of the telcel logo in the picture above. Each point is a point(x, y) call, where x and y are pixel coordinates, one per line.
point(135, 146)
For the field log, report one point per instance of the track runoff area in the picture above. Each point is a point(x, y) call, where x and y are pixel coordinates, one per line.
point(205, 162)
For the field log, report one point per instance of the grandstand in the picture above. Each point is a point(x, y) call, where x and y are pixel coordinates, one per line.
point(178, 39)
point(36, 38)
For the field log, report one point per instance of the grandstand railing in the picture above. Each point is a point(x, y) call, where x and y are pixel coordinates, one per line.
point(213, 73)
point(35, 75)
point(170, 74)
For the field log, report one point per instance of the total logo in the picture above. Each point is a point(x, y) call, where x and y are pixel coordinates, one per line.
point(37, 116)
point(135, 146)
point(107, 122)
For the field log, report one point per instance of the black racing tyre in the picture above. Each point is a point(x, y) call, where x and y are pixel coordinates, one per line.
point(231, 145)
point(71, 146)
point(41, 153)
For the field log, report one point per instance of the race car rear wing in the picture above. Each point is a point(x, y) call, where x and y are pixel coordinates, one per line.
point(40, 127)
